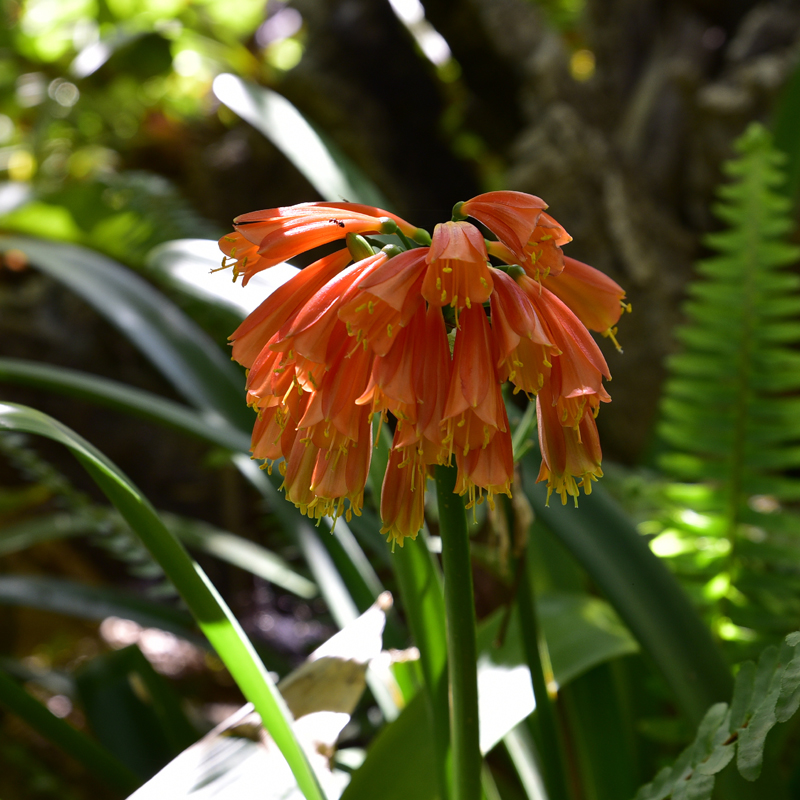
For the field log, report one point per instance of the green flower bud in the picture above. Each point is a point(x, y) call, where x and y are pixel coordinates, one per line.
point(421, 236)
point(358, 246)
point(392, 250)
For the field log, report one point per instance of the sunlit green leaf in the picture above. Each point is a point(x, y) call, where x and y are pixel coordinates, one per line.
point(318, 159)
point(210, 611)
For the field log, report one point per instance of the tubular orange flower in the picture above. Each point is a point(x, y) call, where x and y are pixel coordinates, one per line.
point(527, 236)
point(403, 492)
point(282, 233)
point(388, 298)
point(489, 469)
point(458, 273)
point(578, 371)
point(243, 256)
point(596, 300)
point(544, 249)
point(474, 411)
point(570, 456)
point(511, 216)
point(522, 344)
point(342, 343)
point(283, 304)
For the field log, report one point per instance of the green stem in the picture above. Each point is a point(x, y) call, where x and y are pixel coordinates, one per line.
point(459, 604)
point(421, 589)
point(420, 582)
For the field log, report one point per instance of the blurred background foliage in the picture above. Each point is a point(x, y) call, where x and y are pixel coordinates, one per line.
point(621, 114)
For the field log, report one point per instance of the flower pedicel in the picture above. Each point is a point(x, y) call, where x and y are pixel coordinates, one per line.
point(363, 333)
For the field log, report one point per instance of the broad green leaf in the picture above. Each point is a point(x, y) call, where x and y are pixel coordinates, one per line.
point(401, 761)
point(581, 632)
point(600, 726)
point(322, 694)
point(520, 749)
point(505, 694)
point(646, 596)
point(208, 608)
point(327, 169)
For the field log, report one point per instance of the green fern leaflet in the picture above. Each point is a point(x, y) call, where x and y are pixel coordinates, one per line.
point(763, 695)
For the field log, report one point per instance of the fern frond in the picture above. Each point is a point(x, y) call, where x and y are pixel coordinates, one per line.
point(763, 696)
point(731, 412)
point(738, 342)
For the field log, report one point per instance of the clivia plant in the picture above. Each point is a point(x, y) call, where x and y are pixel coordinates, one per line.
point(421, 334)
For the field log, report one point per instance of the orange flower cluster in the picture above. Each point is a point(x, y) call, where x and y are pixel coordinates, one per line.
point(427, 334)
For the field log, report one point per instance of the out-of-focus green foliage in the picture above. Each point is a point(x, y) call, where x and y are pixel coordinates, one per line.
point(83, 85)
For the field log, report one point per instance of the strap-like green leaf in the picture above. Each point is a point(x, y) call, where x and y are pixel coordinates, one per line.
point(212, 614)
point(328, 170)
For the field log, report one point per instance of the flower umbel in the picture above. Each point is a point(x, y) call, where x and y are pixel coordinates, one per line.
point(421, 338)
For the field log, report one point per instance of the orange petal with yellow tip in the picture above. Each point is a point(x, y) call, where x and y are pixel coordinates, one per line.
point(283, 305)
point(378, 318)
point(310, 332)
point(299, 471)
point(265, 443)
point(593, 297)
point(403, 494)
point(511, 216)
point(397, 375)
point(393, 281)
point(566, 331)
point(487, 469)
point(458, 271)
point(473, 366)
point(342, 385)
point(244, 254)
point(513, 316)
point(437, 368)
point(570, 457)
point(271, 374)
